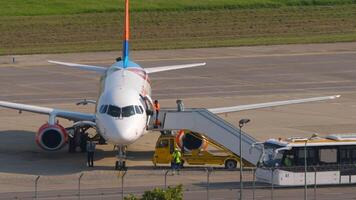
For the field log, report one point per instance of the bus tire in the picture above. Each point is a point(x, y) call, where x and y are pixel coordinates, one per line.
point(230, 164)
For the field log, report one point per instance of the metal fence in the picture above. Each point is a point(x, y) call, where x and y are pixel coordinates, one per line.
point(198, 183)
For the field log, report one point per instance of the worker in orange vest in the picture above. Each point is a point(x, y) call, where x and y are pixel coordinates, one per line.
point(157, 107)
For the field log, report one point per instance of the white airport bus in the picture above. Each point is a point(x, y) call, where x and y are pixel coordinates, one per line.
point(330, 160)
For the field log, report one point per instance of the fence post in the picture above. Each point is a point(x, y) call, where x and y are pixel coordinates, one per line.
point(272, 183)
point(254, 184)
point(80, 178)
point(122, 184)
point(315, 182)
point(165, 178)
point(208, 171)
point(36, 183)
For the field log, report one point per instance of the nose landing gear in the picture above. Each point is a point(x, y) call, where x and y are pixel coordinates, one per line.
point(120, 164)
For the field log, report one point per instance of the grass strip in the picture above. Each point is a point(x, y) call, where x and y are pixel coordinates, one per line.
point(63, 7)
point(178, 29)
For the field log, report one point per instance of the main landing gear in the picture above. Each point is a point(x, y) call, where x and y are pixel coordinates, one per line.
point(78, 138)
point(120, 164)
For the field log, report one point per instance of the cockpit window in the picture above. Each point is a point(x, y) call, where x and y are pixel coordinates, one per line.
point(114, 111)
point(103, 109)
point(141, 109)
point(128, 111)
point(138, 110)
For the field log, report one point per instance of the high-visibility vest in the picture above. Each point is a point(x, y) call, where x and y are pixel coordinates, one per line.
point(157, 106)
point(177, 157)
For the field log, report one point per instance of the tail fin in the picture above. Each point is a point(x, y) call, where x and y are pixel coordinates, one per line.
point(125, 49)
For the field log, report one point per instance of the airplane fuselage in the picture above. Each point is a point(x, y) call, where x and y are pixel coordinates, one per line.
point(121, 110)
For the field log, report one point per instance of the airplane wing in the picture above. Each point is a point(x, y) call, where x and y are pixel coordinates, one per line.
point(75, 116)
point(269, 104)
point(172, 67)
point(80, 66)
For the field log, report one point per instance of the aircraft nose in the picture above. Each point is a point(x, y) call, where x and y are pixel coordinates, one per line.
point(123, 133)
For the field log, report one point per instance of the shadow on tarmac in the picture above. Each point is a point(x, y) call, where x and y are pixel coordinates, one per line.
point(19, 154)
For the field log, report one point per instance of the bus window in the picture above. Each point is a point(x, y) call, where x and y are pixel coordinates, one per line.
point(311, 157)
point(353, 155)
point(345, 155)
point(328, 156)
point(288, 159)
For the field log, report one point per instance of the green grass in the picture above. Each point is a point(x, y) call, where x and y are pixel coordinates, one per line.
point(60, 7)
point(54, 29)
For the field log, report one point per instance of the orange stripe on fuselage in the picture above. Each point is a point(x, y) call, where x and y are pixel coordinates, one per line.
point(127, 21)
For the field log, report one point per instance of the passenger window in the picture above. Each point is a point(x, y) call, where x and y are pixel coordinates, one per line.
point(103, 109)
point(328, 156)
point(162, 144)
point(114, 111)
point(128, 111)
point(138, 110)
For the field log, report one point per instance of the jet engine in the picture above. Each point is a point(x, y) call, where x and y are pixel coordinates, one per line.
point(188, 140)
point(51, 137)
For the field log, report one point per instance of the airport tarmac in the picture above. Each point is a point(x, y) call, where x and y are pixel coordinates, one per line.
point(233, 76)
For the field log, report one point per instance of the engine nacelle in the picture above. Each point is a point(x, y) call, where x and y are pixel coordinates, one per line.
point(51, 137)
point(189, 140)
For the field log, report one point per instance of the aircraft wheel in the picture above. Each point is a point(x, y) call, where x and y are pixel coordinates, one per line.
point(117, 165)
point(230, 164)
point(102, 140)
point(120, 165)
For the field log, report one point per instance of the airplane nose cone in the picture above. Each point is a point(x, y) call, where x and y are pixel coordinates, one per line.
point(123, 134)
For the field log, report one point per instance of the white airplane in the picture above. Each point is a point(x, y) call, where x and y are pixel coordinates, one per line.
point(124, 104)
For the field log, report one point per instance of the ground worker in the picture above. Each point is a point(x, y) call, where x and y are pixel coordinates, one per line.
point(90, 150)
point(157, 107)
point(176, 160)
point(288, 160)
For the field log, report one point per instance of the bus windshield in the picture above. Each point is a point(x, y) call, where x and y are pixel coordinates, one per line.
point(270, 158)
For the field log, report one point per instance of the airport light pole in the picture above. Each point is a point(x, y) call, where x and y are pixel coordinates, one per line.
point(305, 164)
point(242, 122)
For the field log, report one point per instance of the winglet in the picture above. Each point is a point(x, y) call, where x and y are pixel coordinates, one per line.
point(125, 49)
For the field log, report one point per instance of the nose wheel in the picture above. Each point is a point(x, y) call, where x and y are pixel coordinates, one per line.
point(120, 164)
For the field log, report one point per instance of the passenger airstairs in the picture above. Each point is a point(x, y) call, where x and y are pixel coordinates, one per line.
point(213, 127)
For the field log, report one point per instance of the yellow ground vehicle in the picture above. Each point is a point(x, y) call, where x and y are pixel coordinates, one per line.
point(165, 146)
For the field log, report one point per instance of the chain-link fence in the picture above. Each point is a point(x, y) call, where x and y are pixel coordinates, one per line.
point(198, 183)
